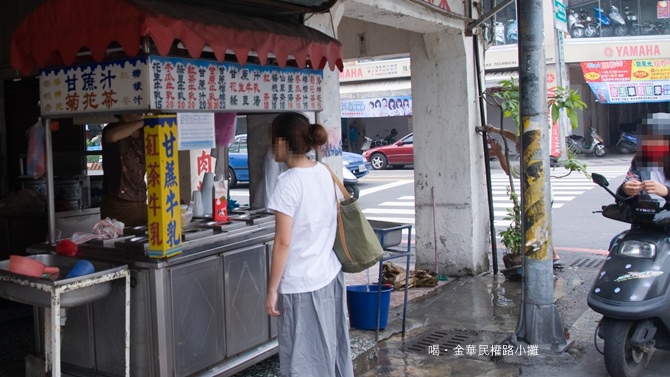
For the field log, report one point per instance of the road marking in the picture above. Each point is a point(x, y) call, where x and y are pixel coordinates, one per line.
point(402, 220)
point(398, 204)
point(582, 250)
point(381, 211)
point(384, 187)
point(406, 198)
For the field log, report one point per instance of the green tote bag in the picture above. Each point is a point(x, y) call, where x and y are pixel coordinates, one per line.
point(356, 244)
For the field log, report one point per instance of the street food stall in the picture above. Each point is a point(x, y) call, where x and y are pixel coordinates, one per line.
point(196, 288)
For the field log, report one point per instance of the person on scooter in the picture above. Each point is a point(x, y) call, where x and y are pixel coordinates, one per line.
point(652, 162)
point(649, 170)
point(513, 168)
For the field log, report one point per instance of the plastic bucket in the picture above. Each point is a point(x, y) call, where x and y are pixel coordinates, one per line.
point(362, 304)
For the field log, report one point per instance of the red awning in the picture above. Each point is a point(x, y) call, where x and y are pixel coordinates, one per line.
point(58, 30)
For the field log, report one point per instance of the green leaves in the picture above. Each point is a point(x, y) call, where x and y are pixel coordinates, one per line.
point(511, 237)
point(568, 99)
point(507, 98)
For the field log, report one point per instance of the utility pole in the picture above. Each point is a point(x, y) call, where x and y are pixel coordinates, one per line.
point(539, 321)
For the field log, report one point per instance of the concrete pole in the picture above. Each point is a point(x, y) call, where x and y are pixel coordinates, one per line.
point(539, 322)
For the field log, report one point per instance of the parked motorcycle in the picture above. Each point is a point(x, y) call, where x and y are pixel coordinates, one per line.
point(367, 143)
point(577, 144)
point(627, 143)
point(499, 33)
point(589, 27)
point(512, 32)
point(350, 181)
point(631, 291)
point(575, 27)
point(617, 22)
point(603, 24)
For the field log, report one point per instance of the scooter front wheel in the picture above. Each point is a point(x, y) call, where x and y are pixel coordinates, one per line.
point(600, 151)
point(352, 190)
point(621, 358)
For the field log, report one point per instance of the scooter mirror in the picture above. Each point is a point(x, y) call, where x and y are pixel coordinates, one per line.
point(600, 180)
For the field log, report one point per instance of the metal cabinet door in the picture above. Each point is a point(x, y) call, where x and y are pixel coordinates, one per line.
point(245, 282)
point(198, 340)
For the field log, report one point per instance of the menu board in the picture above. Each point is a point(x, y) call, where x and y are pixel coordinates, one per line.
point(177, 85)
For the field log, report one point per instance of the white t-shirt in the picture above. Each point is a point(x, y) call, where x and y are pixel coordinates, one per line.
point(308, 196)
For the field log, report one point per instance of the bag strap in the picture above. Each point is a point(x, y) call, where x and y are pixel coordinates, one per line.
point(339, 184)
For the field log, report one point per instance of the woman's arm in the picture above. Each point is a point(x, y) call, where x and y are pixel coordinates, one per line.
point(632, 184)
point(124, 128)
point(505, 133)
point(280, 249)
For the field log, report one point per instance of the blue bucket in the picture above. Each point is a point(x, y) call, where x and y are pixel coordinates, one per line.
point(362, 304)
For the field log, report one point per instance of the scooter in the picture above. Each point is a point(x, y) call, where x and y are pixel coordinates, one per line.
point(350, 181)
point(367, 144)
point(577, 144)
point(589, 27)
point(627, 143)
point(575, 27)
point(631, 291)
point(499, 33)
point(617, 22)
point(602, 22)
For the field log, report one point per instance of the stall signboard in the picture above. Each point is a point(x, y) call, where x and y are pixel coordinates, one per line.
point(629, 81)
point(376, 107)
point(177, 85)
point(196, 130)
point(160, 147)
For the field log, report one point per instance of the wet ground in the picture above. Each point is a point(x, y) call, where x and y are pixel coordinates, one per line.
point(462, 328)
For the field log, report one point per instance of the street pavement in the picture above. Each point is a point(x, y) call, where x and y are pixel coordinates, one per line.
point(465, 326)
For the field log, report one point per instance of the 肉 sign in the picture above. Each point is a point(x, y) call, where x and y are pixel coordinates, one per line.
point(177, 85)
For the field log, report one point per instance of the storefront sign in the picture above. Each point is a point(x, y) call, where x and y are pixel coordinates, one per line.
point(443, 4)
point(662, 9)
point(196, 130)
point(177, 85)
point(589, 49)
point(160, 146)
point(629, 81)
point(384, 69)
point(376, 107)
point(560, 17)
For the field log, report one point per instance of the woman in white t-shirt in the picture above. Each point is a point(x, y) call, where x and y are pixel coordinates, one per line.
point(306, 287)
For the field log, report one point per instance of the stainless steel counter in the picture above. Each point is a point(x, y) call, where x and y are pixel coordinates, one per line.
point(199, 313)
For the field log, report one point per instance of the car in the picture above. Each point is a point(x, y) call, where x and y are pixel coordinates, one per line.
point(238, 162)
point(356, 164)
point(398, 154)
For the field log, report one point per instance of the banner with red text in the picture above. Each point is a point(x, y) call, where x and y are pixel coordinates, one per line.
point(629, 81)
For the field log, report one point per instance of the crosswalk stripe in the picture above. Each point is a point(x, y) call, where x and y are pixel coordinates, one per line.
point(390, 211)
point(564, 189)
point(401, 220)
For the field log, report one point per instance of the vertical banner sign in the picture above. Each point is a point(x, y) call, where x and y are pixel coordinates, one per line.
point(160, 146)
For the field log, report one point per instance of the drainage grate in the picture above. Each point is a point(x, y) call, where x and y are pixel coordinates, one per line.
point(446, 341)
point(587, 263)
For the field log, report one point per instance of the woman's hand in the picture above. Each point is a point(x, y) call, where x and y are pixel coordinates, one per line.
point(271, 304)
point(632, 187)
point(655, 187)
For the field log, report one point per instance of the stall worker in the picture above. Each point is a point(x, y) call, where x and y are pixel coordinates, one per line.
point(124, 189)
